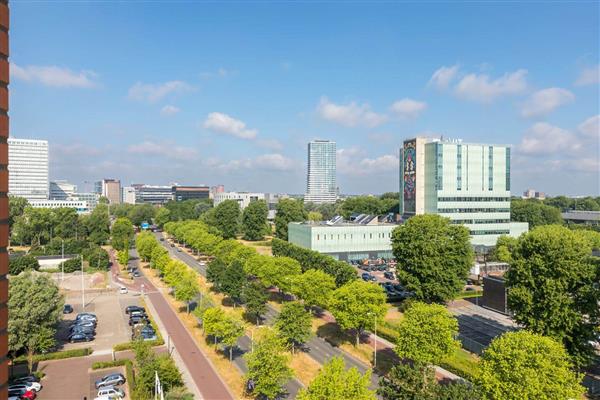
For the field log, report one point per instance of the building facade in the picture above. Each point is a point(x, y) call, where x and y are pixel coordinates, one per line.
point(79, 205)
point(156, 195)
point(243, 198)
point(321, 181)
point(111, 189)
point(28, 168)
point(344, 241)
point(129, 195)
point(4, 188)
point(467, 183)
point(182, 193)
point(62, 190)
point(91, 198)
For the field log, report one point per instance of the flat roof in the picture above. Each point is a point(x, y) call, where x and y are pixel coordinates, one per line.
point(582, 215)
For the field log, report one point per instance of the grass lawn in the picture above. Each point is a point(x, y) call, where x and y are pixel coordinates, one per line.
point(262, 247)
point(462, 363)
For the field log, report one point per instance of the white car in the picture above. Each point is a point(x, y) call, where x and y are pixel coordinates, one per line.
point(123, 290)
point(111, 392)
point(103, 398)
point(36, 386)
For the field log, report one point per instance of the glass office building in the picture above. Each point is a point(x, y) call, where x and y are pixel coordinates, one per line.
point(321, 184)
point(28, 169)
point(468, 183)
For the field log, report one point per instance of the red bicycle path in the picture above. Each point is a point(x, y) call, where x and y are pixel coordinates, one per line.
point(208, 382)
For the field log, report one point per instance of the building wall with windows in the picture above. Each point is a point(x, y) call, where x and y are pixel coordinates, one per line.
point(78, 205)
point(91, 198)
point(468, 183)
point(345, 241)
point(243, 198)
point(62, 190)
point(28, 168)
point(321, 182)
point(182, 193)
point(156, 195)
point(111, 189)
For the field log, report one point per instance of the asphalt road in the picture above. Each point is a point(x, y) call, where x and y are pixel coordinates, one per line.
point(318, 348)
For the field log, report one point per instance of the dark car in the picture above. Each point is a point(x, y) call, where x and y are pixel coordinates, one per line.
point(67, 309)
point(172, 245)
point(86, 324)
point(381, 267)
point(366, 276)
point(388, 275)
point(137, 319)
point(129, 309)
point(88, 330)
point(86, 317)
point(25, 379)
point(136, 274)
point(110, 380)
point(80, 337)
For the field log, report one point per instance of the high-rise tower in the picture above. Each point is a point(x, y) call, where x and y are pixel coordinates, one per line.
point(321, 184)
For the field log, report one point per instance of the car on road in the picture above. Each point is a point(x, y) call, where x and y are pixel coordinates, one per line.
point(129, 309)
point(110, 380)
point(388, 275)
point(136, 274)
point(162, 239)
point(26, 386)
point(366, 276)
point(112, 392)
point(80, 337)
point(67, 309)
point(123, 290)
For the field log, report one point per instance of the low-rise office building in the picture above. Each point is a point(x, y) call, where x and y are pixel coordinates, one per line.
point(156, 195)
point(91, 198)
point(242, 198)
point(582, 217)
point(366, 237)
point(182, 193)
point(79, 205)
point(62, 190)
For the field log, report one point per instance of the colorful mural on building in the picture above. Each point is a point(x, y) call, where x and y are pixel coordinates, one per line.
point(410, 159)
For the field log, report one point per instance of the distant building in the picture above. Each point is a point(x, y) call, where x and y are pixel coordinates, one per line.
point(90, 198)
point(467, 183)
point(111, 189)
point(62, 190)
point(80, 206)
point(216, 189)
point(28, 169)
point(129, 195)
point(182, 193)
point(365, 237)
point(242, 198)
point(321, 183)
point(156, 195)
point(582, 217)
point(98, 187)
point(532, 194)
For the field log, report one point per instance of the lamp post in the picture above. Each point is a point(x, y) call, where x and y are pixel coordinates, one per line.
point(374, 341)
point(82, 284)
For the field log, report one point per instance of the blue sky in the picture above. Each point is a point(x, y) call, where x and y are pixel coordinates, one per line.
point(231, 92)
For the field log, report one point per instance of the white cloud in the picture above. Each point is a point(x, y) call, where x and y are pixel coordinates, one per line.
point(443, 76)
point(169, 110)
point(544, 139)
point(349, 115)
point(168, 150)
point(589, 76)
point(274, 161)
point(154, 92)
point(54, 76)
point(480, 87)
point(591, 127)
point(408, 108)
point(352, 161)
point(223, 123)
point(269, 162)
point(545, 101)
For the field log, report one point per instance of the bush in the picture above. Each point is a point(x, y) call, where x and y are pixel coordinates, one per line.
point(71, 265)
point(123, 257)
point(110, 364)
point(59, 355)
point(129, 345)
point(97, 257)
point(20, 264)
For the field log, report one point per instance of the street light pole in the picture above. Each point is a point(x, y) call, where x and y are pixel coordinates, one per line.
point(82, 284)
point(375, 346)
point(62, 262)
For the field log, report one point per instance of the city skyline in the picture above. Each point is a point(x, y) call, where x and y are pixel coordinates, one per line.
point(239, 110)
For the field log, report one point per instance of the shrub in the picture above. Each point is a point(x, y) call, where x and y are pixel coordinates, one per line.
point(59, 355)
point(20, 264)
point(97, 257)
point(109, 364)
point(71, 265)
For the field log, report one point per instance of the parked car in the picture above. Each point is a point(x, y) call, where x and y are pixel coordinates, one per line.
point(26, 386)
point(172, 245)
point(102, 398)
point(388, 275)
point(137, 319)
point(84, 330)
point(373, 278)
point(137, 313)
point(366, 276)
point(86, 317)
point(110, 380)
point(67, 309)
point(136, 274)
point(162, 239)
point(179, 250)
point(123, 290)
point(84, 324)
point(80, 337)
point(129, 309)
point(21, 394)
point(23, 379)
point(112, 392)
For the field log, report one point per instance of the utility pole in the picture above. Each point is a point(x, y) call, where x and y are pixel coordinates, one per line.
point(62, 263)
point(82, 284)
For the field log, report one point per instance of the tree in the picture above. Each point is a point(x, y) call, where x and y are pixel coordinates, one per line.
point(233, 280)
point(314, 287)
point(65, 222)
point(71, 265)
point(204, 305)
point(255, 297)
point(357, 305)
point(552, 288)
point(254, 220)
point(334, 382)
point(141, 213)
point(123, 257)
point(96, 257)
point(145, 243)
point(159, 259)
point(187, 288)
point(288, 210)
point(122, 233)
point(458, 390)
point(34, 309)
point(230, 329)
point(147, 365)
point(268, 365)
point(227, 218)
point(215, 272)
point(16, 207)
point(523, 365)
point(294, 324)
point(427, 334)
point(504, 247)
point(407, 381)
point(211, 318)
point(534, 212)
point(315, 216)
point(434, 257)
point(163, 215)
point(98, 225)
point(23, 263)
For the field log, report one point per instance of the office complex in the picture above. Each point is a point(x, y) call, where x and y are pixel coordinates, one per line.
point(156, 195)
point(129, 195)
point(111, 189)
point(242, 198)
point(366, 236)
point(533, 194)
point(468, 183)
point(182, 193)
point(4, 79)
point(91, 198)
point(79, 205)
point(321, 184)
point(62, 190)
point(28, 168)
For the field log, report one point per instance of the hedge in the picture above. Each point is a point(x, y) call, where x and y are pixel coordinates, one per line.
point(71, 265)
point(20, 264)
point(110, 364)
point(310, 259)
point(59, 355)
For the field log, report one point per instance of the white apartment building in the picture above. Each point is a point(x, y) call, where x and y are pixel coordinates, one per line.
point(62, 190)
point(243, 198)
point(321, 183)
point(28, 168)
point(129, 195)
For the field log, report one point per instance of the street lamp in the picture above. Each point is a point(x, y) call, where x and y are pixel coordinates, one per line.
point(374, 340)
